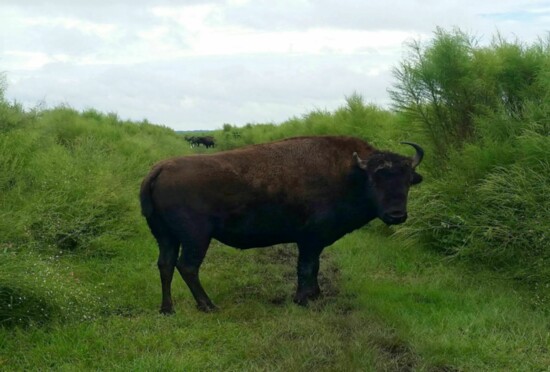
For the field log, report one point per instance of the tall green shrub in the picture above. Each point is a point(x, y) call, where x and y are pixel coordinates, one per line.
point(450, 83)
point(436, 87)
point(489, 198)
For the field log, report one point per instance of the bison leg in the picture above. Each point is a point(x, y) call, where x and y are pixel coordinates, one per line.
point(168, 255)
point(308, 268)
point(188, 266)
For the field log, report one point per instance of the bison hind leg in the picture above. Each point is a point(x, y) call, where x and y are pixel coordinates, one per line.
point(166, 263)
point(195, 241)
point(190, 274)
point(169, 246)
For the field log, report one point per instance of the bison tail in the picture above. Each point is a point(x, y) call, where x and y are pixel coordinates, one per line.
point(147, 206)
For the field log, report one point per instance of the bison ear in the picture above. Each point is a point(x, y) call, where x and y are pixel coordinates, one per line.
point(416, 178)
point(360, 163)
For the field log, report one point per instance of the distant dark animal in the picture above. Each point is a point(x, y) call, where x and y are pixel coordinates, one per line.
point(207, 141)
point(307, 190)
point(191, 140)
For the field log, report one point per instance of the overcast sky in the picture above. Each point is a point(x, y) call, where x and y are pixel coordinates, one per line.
point(199, 64)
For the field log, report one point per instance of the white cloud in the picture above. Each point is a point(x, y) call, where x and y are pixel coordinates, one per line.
point(204, 63)
point(22, 60)
point(314, 41)
point(102, 30)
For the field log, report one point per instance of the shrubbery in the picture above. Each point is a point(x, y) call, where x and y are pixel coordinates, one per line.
point(356, 118)
point(68, 186)
point(486, 111)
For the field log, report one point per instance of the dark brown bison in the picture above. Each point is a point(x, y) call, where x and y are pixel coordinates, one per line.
point(307, 190)
point(207, 141)
point(191, 140)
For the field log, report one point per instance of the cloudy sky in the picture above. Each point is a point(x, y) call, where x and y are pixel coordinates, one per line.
point(196, 64)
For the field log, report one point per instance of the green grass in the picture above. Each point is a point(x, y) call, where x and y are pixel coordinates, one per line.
point(80, 289)
point(445, 314)
point(256, 328)
point(386, 307)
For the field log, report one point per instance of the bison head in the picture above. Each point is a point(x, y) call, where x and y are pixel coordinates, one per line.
point(389, 177)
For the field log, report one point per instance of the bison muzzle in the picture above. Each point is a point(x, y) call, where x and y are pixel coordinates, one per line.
point(307, 190)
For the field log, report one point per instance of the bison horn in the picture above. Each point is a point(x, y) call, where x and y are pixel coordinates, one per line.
point(419, 153)
point(361, 163)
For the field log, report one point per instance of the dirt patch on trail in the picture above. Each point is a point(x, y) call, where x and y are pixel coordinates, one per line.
point(279, 300)
point(398, 355)
point(444, 368)
point(329, 278)
point(286, 256)
point(392, 352)
point(278, 254)
point(339, 308)
point(395, 354)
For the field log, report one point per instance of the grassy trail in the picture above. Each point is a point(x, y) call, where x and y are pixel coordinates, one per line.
point(386, 308)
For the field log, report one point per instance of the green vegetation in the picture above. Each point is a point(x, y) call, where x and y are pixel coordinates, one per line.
point(356, 118)
point(486, 111)
point(463, 285)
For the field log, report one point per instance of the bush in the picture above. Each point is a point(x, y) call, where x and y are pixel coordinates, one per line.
point(68, 187)
point(493, 209)
point(490, 191)
point(450, 83)
point(356, 118)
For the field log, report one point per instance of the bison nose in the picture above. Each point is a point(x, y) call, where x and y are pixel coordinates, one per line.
point(395, 217)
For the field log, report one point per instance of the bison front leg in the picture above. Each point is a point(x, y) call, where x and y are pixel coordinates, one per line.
point(308, 269)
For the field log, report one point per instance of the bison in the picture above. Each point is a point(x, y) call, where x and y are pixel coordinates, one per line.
point(191, 140)
point(207, 141)
point(307, 190)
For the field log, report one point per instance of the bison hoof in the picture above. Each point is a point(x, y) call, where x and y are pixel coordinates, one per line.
point(167, 311)
point(206, 307)
point(301, 298)
point(315, 294)
point(301, 301)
